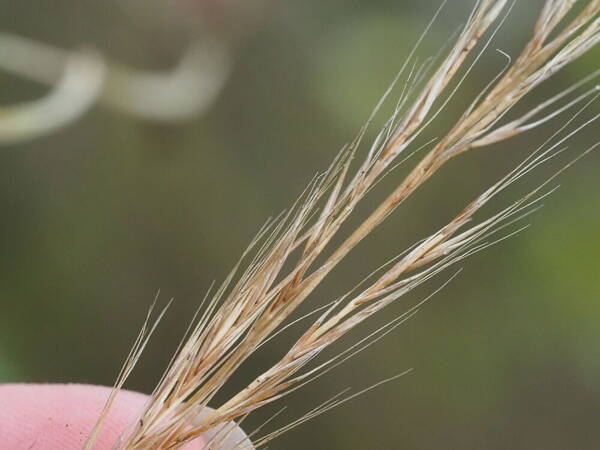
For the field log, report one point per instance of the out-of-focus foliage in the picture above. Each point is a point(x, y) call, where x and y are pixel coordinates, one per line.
point(100, 215)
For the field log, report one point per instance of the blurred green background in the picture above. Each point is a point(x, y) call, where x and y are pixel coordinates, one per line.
point(101, 214)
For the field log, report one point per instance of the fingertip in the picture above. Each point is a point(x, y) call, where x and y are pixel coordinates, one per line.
point(61, 416)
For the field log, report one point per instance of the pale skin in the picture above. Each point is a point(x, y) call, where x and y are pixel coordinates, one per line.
point(60, 416)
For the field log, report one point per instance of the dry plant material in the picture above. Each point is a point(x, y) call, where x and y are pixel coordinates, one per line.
point(79, 79)
point(288, 258)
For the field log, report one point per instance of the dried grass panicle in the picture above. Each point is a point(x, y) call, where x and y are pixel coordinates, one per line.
point(253, 303)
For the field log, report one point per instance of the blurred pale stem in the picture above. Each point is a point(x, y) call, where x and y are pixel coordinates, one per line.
point(77, 83)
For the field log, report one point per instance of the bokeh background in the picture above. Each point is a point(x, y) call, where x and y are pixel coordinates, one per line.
point(98, 216)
